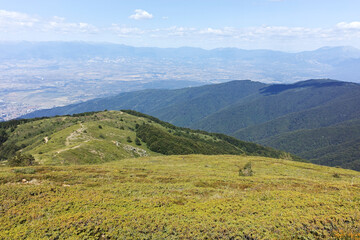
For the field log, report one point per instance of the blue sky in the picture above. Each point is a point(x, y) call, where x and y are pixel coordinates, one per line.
point(287, 25)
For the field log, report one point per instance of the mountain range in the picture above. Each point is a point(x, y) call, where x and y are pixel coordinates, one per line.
point(86, 50)
point(224, 64)
point(315, 119)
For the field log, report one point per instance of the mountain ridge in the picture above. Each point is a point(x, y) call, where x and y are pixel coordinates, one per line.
point(97, 137)
point(104, 48)
point(247, 110)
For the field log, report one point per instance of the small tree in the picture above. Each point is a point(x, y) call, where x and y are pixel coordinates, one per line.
point(22, 160)
point(137, 142)
point(128, 139)
point(247, 170)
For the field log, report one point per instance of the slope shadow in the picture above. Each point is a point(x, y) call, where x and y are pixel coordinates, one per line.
point(278, 88)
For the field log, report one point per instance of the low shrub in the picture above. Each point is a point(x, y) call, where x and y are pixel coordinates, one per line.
point(22, 160)
point(247, 170)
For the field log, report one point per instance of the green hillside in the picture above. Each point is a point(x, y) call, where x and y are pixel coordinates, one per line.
point(180, 107)
point(312, 100)
point(336, 145)
point(282, 116)
point(310, 121)
point(104, 175)
point(97, 137)
point(329, 114)
point(180, 197)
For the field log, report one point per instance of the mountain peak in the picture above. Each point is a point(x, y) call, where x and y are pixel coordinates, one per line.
point(278, 88)
point(341, 48)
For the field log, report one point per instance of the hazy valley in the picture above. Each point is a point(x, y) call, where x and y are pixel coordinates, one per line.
point(43, 75)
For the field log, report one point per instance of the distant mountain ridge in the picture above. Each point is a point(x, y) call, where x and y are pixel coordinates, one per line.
point(58, 50)
point(211, 98)
point(267, 65)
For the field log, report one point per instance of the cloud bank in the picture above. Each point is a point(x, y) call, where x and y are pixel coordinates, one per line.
point(22, 26)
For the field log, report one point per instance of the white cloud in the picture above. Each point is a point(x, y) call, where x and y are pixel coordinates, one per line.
point(9, 20)
point(59, 24)
point(141, 14)
point(212, 31)
point(351, 25)
point(16, 21)
point(282, 35)
point(226, 31)
point(123, 31)
point(177, 31)
point(23, 26)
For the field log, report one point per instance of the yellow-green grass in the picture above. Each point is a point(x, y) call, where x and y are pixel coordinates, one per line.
point(180, 197)
point(96, 138)
point(93, 138)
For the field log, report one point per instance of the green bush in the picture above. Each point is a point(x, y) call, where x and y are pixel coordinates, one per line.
point(247, 170)
point(22, 160)
point(336, 175)
point(161, 141)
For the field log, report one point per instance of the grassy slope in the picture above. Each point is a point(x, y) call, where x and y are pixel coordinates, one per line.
point(103, 137)
point(98, 137)
point(180, 197)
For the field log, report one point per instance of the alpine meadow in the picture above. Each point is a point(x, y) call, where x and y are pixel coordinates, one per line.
point(180, 120)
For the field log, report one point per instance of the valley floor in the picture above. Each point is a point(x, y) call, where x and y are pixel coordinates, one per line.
point(180, 197)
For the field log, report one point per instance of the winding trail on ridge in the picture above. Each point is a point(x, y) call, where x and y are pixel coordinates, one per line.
point(74, 135)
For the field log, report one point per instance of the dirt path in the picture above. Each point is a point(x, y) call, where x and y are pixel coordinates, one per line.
point(75, 134)
point(66, 149)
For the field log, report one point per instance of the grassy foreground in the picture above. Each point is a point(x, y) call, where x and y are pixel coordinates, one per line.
point(180, 197)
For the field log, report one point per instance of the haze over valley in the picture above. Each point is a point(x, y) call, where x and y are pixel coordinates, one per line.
point(37, 75)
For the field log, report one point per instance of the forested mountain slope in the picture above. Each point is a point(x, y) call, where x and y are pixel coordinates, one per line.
point(180, 107)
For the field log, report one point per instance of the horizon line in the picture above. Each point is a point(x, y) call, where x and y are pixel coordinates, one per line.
point(205, 49)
